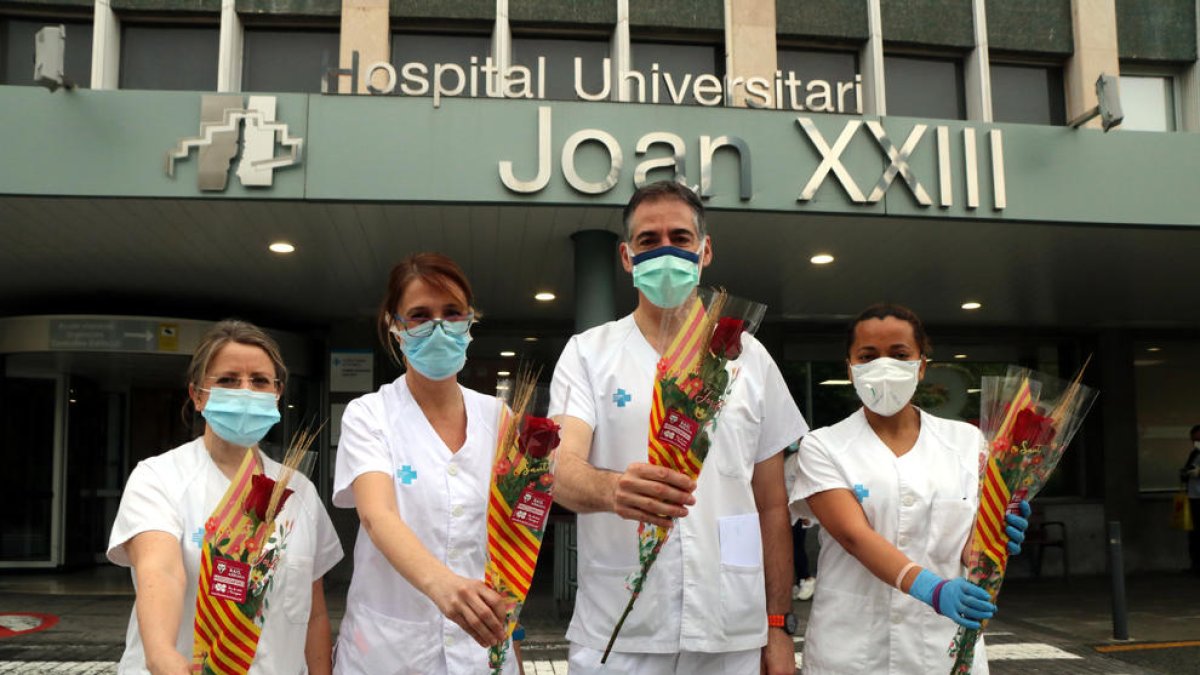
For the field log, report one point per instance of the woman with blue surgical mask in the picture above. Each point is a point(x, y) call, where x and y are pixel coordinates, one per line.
point(415, 460)
point(895, 490)
point(235, 381)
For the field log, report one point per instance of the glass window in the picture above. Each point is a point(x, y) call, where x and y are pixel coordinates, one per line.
point(560, 65)
point(678, 67)
point(428, 50)
point(1168, 405)
point(17, 50)
point(924, 87)
point(1027, 94)
point(800, 67)
point(169, 57)
point(287, 60)
point(1148, 103)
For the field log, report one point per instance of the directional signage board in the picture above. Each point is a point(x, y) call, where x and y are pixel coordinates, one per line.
point(113, 335)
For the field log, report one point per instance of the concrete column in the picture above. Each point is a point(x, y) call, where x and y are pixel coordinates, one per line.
point(106, 46)
point(1117, 407)
point(502, 47)
point(1094, 24)
point(595, 268)
point(366, 29)
point(622, 57)
point(874, 91)
point(229, 60)
point(749, 45)
point(977, 72)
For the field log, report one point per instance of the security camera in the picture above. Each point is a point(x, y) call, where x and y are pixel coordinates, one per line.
point(50, 48)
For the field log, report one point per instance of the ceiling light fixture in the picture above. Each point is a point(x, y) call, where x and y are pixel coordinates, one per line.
point(531, 338)
point(821, 259)
point(835, 383)
point(971, 305)
point(281, 247)
point(1154, 349)
point(960, 356)
point(544, 296)
point(503, 373)
point(508, 354)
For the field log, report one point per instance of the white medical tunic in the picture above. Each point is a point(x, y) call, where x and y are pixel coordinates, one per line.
point(706, 591)
point(924, 503)
point(176, 492)
point(390, 627)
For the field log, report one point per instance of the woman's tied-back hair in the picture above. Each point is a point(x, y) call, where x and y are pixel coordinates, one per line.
point(435, 269)
point(225, 332)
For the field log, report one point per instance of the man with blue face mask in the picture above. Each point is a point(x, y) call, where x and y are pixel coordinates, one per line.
point(726, 572)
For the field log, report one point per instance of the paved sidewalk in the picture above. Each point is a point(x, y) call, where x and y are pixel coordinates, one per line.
point(1044, 626)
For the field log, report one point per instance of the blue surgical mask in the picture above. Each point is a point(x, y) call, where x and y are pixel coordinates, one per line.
point(240, 416)
point(666, 275)
point(437, 356)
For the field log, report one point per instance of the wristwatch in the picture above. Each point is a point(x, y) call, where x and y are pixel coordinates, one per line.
point(785, 621)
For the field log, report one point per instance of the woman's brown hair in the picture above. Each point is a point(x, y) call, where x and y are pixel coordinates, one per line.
point(435, 269)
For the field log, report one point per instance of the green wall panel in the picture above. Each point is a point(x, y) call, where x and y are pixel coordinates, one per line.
point(830, 19)
point(586, 13)
point(314, 8)
point(938, 23)
point(364, 148)
point(434, 10)
point(680, 15)
point(1157, 30)
point(1035, 26)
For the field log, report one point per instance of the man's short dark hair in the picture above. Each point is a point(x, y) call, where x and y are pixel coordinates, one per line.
point(666, 189)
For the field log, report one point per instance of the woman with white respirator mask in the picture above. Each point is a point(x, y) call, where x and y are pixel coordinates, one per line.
point(895, 490)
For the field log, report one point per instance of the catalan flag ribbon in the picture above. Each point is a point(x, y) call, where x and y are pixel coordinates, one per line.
point(519, 501)
point(1026, 432)
point(226, 632)
point(690, 385)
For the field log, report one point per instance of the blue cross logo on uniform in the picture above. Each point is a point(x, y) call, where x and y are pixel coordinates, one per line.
point(621, 398)
point(198, 536)
point(406, 474)
point(860, 492)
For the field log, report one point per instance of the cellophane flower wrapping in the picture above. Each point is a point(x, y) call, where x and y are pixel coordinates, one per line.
point(519, 501)
point(241, 549)
point(693, 377)
point(1028, 419)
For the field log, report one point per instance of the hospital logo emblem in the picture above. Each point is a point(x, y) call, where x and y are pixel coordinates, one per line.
point(225, 123)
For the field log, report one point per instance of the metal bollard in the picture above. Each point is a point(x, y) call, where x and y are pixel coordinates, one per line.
point(1116, 568)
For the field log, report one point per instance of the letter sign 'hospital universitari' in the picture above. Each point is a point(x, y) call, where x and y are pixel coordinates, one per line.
point(830, 163)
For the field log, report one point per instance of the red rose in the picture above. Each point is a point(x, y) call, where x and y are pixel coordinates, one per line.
point(727, 338)
point(260, 496)
point(539, 435)
point(1032, 428)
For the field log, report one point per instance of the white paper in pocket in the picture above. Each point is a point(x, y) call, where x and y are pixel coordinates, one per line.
point(741, 541)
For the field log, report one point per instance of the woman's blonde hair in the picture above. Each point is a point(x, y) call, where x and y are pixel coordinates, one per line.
point(225, 332)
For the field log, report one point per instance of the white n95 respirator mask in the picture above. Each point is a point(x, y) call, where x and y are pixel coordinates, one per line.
point(885, 385)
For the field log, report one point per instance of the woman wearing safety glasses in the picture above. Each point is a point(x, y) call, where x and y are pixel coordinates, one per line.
point(235, 380)
point(895, 490)
point(415, 460)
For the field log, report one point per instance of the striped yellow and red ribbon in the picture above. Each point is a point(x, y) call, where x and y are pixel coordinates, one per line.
point(994, 496)
point(681, 358)
point(224, 638)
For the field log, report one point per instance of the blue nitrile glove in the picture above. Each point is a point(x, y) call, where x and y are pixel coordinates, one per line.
point(1015, 527)
point(961, 601)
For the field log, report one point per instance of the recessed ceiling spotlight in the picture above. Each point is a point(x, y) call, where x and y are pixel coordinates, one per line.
point(971, 305)
point(544, 296)
point(821, 259)
point(1154, 349)
point(531, 338)
point(281, 247)
point(507, 354)
point(960, 356)
point(503, 373)
point(835, 383)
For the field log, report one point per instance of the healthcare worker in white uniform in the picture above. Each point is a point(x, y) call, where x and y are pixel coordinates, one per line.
point(415, 459)
point(235, 379)
point(895, 490)
point(726, 570)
